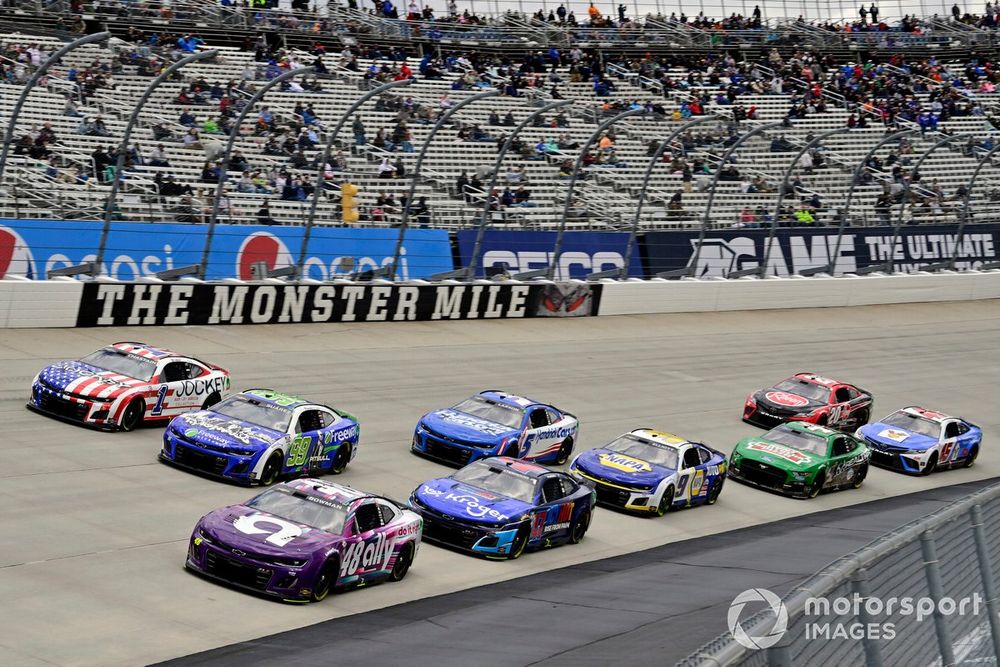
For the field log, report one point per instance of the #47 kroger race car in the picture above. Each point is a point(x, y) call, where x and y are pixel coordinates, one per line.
point(918, 441)
point(494, 423)
point(121, 385)
point(652, 472)
point(260, 435)
point(807, 397)
point(800, 460)
point(500, 507)
point(299, 540)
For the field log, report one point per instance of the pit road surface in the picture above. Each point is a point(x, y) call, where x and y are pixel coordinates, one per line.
point(95, 529)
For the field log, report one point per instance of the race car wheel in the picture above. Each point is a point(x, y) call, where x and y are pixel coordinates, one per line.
point(403, 562)
point(564, 451)
point(519, 543)
point(272, 468)
point(666, 501)
point(513, 451)
point(823, 419)
point(863, 417)
point(713, 495)
point(970, 458)
point(341, 459)
point(817, 484)
point(327, 579)
point(132, 416)
point(211, 400)
point(579, 527)
point(859, 478)
point(931, 465)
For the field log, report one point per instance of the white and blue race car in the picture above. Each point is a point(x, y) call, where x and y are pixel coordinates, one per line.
point(496, 423)
point(918, 441)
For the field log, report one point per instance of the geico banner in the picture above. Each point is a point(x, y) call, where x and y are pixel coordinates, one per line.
point(33, 247)
point(131, 304)
point(796, 248)
point(582, 253)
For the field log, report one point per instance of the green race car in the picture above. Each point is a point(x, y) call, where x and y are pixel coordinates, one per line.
point(800, 460)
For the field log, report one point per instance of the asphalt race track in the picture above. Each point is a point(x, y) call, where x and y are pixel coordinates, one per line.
point(95, 529)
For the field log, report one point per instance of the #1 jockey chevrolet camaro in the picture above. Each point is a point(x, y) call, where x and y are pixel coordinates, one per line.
point(299, 540)
point(260, 435)
point(499, 507)
point(918, 441)
point(809, 398)
point(652, 472)
point(494, 423)
point(120, 386)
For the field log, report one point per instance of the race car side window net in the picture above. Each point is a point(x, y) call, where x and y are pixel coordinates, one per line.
point(691, 458)
point(539, 418)
point(552, 490)
point(367, 517)
point(951, 430)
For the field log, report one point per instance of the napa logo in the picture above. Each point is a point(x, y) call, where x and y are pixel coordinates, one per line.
point(624, 463)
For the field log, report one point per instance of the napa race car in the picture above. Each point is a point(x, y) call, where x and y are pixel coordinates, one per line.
point(494, 423)
point(120, 386)
point(800, 460)
point(261, 435)
point(652, 472)
point(811, 398)
point(918, 441)
point(299, 540)
point(500, 507)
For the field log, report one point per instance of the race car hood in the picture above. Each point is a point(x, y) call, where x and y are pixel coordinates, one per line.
point(781, 456)
point(896, 437)
point(468, 503)
point(108, 383)
point(466, 428)
point(254, 532)
point(785, 402)
point(617, 467)
point(211, 428)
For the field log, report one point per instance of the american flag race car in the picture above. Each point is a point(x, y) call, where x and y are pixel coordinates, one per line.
point(125, 384)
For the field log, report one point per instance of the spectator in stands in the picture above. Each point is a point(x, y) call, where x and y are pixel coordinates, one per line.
point(185, 210)
point(422, 212)
point(386, 169)
point(522, 198)
point(264, 214)
point(158, 157)
point(358, 128)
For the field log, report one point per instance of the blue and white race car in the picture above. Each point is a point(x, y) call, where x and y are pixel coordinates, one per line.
point(918, 441)
point(495, 423)
point(652, 472)
point(261, 435)
point(500, 507)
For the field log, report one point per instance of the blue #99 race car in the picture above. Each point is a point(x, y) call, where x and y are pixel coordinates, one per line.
point(501, 507)
point(918, 441)
point(260, 435)
point(495, 423)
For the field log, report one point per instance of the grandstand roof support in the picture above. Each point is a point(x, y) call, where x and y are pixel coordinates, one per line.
point(902, 205)
point(35, 77)
point(660, 150)
point(715, 183)
point(855, 180)
point(109, 205)
point(557, 250)
point(415, 174)
point(227, 153)
point(470, 271)
point(781, 193)
point(331, 138)
point(966, 213)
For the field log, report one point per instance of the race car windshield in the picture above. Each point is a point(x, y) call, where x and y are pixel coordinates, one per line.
point(813, 392)
point(497, 413)
point(300, 508)
point(804, 442)
point(913, 423)
point(497, 479)
point(641, 449)
point(115, 361)
point(244, 409)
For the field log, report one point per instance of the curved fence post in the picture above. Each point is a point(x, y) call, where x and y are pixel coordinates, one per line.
point(966, 213)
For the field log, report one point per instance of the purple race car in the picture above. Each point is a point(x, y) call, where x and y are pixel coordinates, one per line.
point(299, 540)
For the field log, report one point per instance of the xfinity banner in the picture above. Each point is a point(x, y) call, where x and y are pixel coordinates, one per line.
point(582, 253)
point(33, 247)
point(795, 249)
point(129, 304)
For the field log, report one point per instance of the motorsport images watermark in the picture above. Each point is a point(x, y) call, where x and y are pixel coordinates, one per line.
point(881, 616)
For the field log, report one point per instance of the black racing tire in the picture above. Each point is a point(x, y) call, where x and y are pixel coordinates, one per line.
point(863, 417)
point(817, 485)
point(212, 399)
point(327, 579)
point(666, 501)
point(859, 478)
point(970, 458)
point(579, 527)
point(269, 475)
point(715, 491)
point(822, 420)
point(132, 417)
point(402, 564)
point(520, 542)
point(931, 465)
point(341, 458)
point(565, 451)
point(512, 451)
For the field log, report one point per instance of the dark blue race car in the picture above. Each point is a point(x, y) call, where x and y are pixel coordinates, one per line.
point(500, 507)
point(259, 436)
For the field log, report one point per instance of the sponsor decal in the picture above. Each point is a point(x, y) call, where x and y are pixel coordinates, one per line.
point(15, 255)
point(475, 423)
point(786, 399)
point(698, 486)
point(555, 432)
point(260, 524)
point(893, 434)
point(200, 387)
point(787, 453)
point(367, 555)
point(556, 526)
point(232, 429)
point(470, 504)
point(624, 463)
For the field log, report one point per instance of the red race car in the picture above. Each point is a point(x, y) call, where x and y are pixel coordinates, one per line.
point(809, 398)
